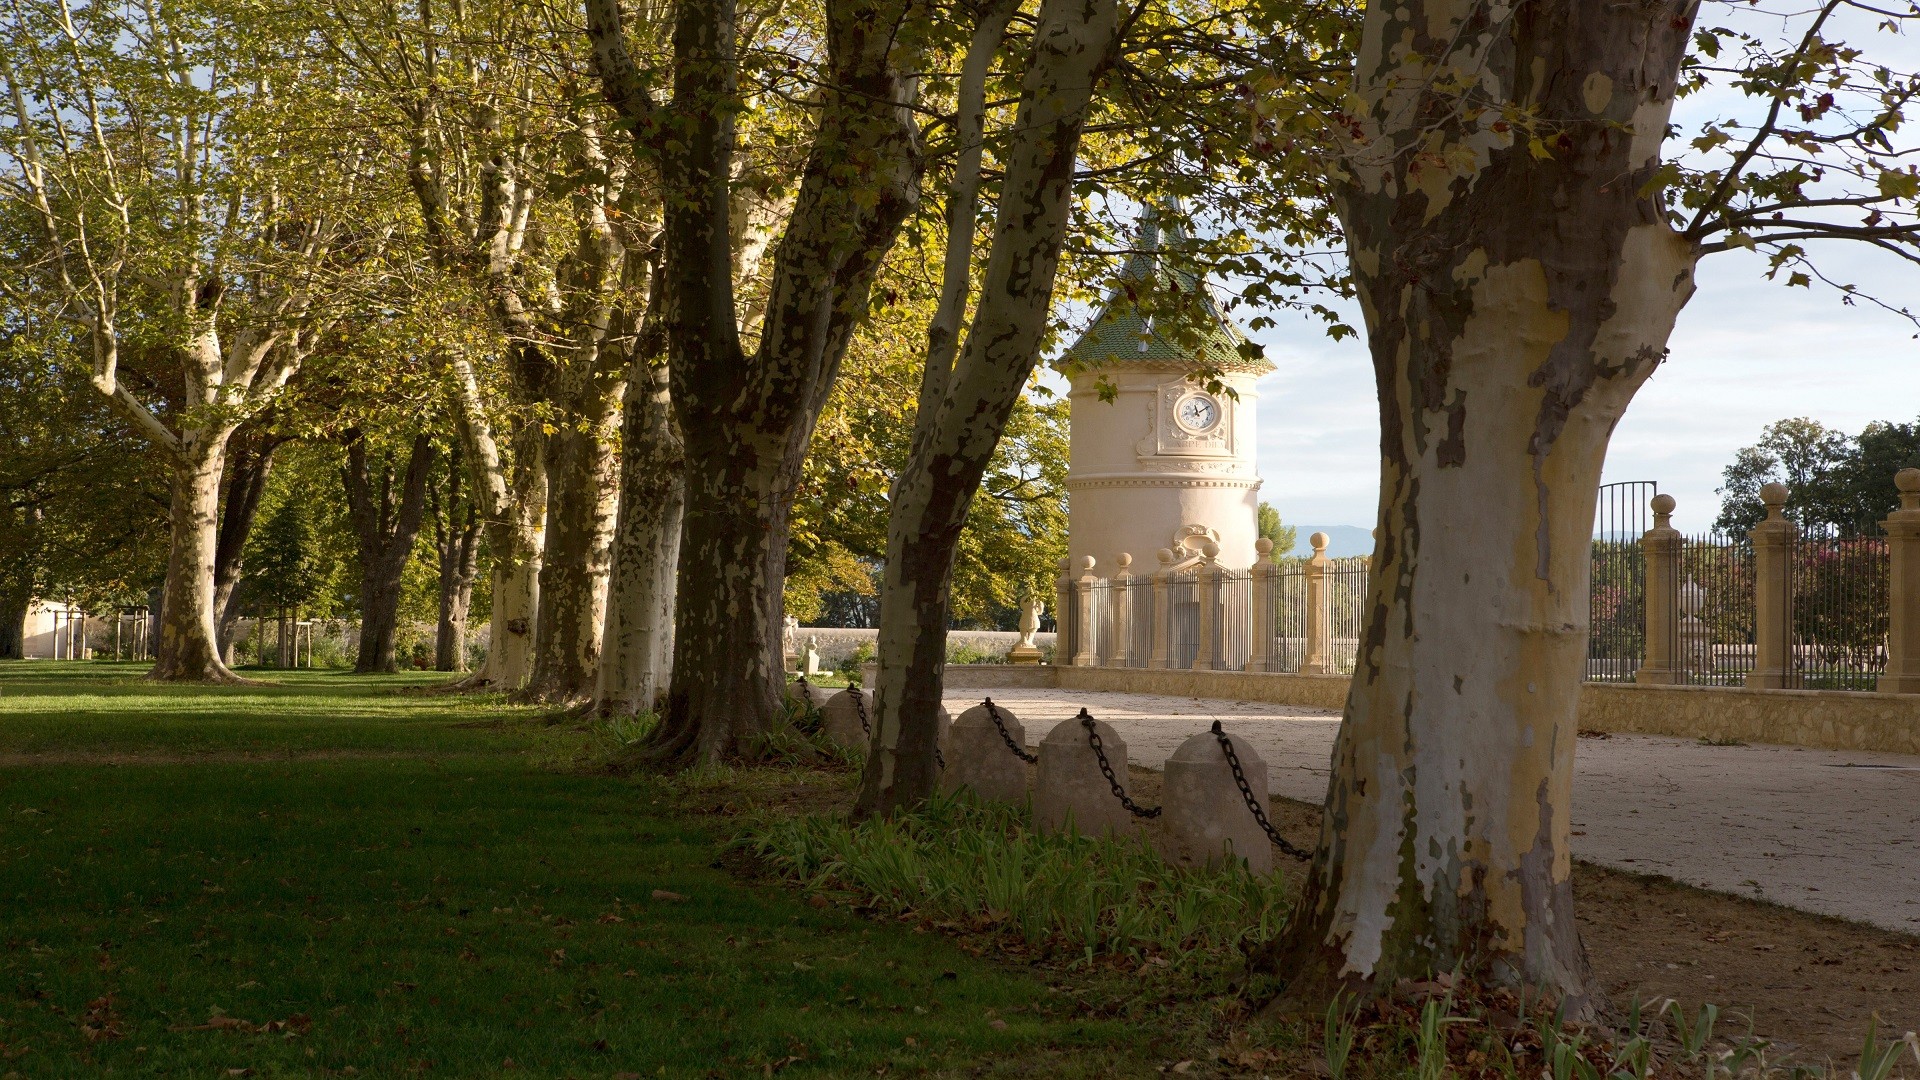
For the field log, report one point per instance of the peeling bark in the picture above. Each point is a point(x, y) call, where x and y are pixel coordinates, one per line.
point(188, 649)
point(963, 412)
point(635, 664)
point(1515, 302)
point(576, 552)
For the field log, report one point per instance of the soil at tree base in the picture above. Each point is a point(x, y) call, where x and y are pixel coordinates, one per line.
point(1810, 983)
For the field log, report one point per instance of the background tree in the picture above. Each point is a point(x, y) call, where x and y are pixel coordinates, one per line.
point(1267, 524)
point(286, 568)
point(387, 501)
point(456, 558)
point(1837, 482)
point(186, 191)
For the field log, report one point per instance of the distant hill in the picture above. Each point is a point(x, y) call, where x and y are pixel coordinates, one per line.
point(1342, 540)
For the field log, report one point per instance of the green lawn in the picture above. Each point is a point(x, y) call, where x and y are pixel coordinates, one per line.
point(326, 876)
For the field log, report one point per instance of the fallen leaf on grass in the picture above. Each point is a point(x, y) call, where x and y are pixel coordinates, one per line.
point(663, 894)
point(997, 1025)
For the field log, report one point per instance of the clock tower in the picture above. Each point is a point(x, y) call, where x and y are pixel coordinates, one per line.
point(1157, 460)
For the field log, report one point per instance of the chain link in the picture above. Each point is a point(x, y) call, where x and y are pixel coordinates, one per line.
point(1106, 770)
point(1006, 737)
point(810, 719)
point(860, 710)
point(1253, 804)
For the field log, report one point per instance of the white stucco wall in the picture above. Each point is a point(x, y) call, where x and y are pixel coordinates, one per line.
point(1136, 477)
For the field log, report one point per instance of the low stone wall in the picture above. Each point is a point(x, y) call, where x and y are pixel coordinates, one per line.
point(1825, 719)
point(1822, 719)
point(838, 643)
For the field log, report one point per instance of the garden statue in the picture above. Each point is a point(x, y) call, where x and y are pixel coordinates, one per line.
point(1026, 652)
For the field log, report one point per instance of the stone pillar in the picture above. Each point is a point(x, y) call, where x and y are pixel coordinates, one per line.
point(1662, 663)
point(1773, 594)
point(1162, 610)
point(840, 717)
point(1086, 645)
point(1207, 594)
point(1063, 608)
point(979, 760)
point(1260, 620)
point(1068, 787)
point(1206, 819)
point(1319, 653)
point(1120, 613)
point(1903, 588)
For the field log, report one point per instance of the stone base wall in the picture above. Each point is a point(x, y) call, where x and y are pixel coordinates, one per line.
point(839, 643)
point(1822, 719)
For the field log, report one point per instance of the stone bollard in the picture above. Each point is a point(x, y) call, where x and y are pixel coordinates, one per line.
point(840, 717)
point(817, 696)
point(978, 758)
point(1069, 788)
point(1206, 818)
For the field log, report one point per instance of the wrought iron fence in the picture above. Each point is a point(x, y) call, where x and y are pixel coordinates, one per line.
point(1713, 613)
point(1616, 595)
point(1229, 645)
point(1839, 588)
point(1288, 602)
point(1140, 645)
point(1183, 628)
point(1346, 610)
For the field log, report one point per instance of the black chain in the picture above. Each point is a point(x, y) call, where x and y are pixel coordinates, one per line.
point(1253, 804)
point(1018, 750)
point(809, 715)
point(860, 710)
point(1106, 770)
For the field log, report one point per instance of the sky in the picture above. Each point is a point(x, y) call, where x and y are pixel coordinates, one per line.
point(1746, 352)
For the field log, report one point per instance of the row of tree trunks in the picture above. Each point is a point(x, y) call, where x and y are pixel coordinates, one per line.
point(963, 411)
point(1517, 291)
point(582, 486)
point(637, 653)
point(456, 548)
point(386, 523)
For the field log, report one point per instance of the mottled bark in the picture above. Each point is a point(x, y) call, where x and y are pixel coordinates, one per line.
point(636, 660)
point(747, 418)
point(386, 522)
point(963, 411)
point(1519, 285)
point(249, 462)
point(513, 505)
point(582, 483)
point(189, 650)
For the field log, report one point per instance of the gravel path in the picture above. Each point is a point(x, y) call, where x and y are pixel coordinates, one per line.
point(1825, 831)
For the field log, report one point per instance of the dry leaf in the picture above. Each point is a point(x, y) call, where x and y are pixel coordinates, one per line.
point(663, 894)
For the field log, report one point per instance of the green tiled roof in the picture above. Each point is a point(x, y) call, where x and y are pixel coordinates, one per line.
point(1121, 334)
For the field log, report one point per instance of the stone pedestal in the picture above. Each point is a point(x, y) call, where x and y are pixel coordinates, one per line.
point(1318, 659)
point(1662, 663)
point(1903, 589)
point(1206, 819)
point(978, 759)
point(1068, 788)
point(840, 717)
point(1773, 595)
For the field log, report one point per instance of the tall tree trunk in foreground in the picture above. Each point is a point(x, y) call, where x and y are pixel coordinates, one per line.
point(513, 504)
point(1518, 286)
point(638, 651)
point(456, 547)
point(964, 406)
point(385, 524)
point(189, 649)
point(746, 419)
point(249, 462)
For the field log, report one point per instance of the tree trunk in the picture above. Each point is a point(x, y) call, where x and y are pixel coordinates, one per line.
point(1518, 288)
point(189, 650)
point(964, 411)
point(14, 601)
point(581, 487)
point(636, 659)
point(249, 462)
point(459, 563)
point(385, 527)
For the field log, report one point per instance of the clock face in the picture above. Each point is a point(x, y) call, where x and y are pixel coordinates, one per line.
point(1198, 413)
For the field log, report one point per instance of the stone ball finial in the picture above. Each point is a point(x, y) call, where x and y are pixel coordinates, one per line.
point(1907, 480)
point(1065, 565)
point(1264, 546)
point(1123, 560)
point(1086, 564)
point(1210, 549)
point(1663, 504)
point(1774, 493)
point(1319, 541)
point(1164, 555)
